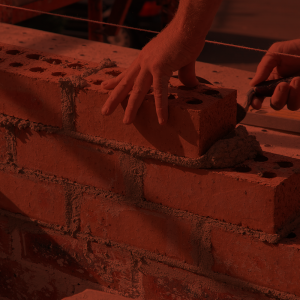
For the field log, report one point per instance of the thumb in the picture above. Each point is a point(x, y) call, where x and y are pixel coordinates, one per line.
point(265, 68)
point(187, 75)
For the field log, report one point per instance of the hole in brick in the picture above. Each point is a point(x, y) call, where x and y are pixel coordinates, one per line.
point(37, 69)
point(172, 97)
point(268, 175)
point(33, 56)
point(97, 82)
point(13, 52)
point(2, 60)
point(194, 101)
point(186, 88)
point(53, 61)
point(61, 74)
point(285, 164)
point(75, 66)
point(291, 235)
point(210, 92)
point(260, 158)
point(15, 64)
point(242, 169)
point(113, 73)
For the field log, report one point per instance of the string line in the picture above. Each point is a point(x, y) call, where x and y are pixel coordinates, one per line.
point(145, 30)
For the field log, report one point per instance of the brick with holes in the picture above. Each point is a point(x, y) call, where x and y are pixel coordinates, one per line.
point(260, 194)
point(197, 118)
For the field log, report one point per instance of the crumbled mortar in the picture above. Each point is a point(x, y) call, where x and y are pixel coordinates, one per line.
point(231, 150)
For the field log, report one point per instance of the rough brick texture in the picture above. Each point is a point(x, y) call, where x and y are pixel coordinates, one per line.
point(164, 282)
point(69, 158)
point(191, 128)
point(82, 208)
point(239, 195)
point(35, 199)
point(273, 266)
point(37, 87)
point(145, 229)
point(29, 95)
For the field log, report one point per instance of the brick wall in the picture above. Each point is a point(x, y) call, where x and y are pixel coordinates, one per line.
point(89, 203)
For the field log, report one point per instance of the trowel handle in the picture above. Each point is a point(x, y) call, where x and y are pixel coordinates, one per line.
point(266, 88)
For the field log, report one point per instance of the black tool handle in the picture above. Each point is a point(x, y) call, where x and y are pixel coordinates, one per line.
point(267, 88)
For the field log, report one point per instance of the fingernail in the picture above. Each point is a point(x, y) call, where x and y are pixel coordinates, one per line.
point(161, 121)
point(104, 84)
point(104, 111)
point(126, 121)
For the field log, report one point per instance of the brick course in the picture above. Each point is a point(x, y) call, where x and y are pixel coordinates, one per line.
point(65, 157)
point(245, 199)
point(165, 282)
point(35, 199)
point(274, 266)
point(142, 228)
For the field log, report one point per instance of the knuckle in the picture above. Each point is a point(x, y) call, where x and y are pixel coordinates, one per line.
point(137, 90)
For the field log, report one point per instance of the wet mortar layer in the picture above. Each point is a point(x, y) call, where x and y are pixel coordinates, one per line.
point(63, 71)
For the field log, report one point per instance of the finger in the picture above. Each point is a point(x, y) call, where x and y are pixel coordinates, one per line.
point(138, 93)
point(280, 96)
point(294, 95)
point(187, 75)
point(265, 68)
point(257, 102)
point(160, 89)
point(110, 84)
point(120, 92)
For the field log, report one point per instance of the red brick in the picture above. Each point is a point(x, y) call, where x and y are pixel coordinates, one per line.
point(190, 131)
point(29, 86)
point(161, 282)
point(245, 199)
point(5, 236)
point(69, 158)
point(273, 266)
point(28, 95)
point(2, 144)
point(36, 199)
point(141, 228)
point(105, 265)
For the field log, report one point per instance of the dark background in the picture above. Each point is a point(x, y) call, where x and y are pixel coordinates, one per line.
point(255, 23)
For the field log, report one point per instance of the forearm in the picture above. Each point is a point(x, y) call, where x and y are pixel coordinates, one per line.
point(194, 18)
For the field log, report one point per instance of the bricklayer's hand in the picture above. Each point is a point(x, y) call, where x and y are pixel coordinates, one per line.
point(274, 66)
point(156, 63)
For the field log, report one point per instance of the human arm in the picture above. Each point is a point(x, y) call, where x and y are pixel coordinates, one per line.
point(274, 66)
point(175, 48)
